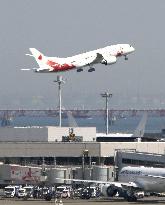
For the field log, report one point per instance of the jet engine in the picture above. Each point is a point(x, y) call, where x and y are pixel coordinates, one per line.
point(108, 60)
point(109, 190)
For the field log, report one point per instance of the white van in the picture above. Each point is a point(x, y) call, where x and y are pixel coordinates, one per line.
point(22, 193)
point(29, 190)
point(63, 191)
point(11, 191)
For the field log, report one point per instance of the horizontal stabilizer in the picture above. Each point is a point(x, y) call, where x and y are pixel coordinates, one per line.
point(25, 69)
point(27, 54)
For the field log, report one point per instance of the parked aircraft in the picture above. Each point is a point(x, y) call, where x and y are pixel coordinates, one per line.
point(149, 179)
point(107, 56)
point(135, 179)
point(131, 181)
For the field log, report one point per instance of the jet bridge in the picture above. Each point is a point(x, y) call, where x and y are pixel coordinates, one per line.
point(135, 158)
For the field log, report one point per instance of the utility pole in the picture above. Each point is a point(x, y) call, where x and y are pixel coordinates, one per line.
point(106, 95)
point(59, 80)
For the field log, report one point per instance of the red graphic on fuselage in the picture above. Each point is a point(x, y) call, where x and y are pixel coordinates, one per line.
point(119, 53)
point(59, 67)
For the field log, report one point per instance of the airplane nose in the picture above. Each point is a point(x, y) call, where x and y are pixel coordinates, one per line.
point(132, 48)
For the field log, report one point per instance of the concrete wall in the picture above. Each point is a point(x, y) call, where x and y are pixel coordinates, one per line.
point(108, 149)
point(43, 134)
point(47, 149)
point(23, 134)
point(70, 149)
point(56, 133)
point(5, 172)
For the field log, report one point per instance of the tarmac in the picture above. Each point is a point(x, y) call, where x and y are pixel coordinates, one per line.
point(148, 201)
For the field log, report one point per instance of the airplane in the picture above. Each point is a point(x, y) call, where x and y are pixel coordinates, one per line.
point(132, 180)
point(149, 179)
point(107, 56)
point(125, 137)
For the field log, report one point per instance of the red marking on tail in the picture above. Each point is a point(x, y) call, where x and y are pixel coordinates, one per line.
point(40, 57)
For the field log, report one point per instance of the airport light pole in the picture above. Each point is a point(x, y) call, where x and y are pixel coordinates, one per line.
point(59, 80)
point(106, 95)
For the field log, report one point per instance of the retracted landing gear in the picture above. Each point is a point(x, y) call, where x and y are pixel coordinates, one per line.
point(91, 69)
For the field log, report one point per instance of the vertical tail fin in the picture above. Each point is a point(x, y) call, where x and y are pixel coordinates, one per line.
point(139, 132)
point(40, 58)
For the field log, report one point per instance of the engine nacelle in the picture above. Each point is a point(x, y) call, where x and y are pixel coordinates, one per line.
point(108, 60)
point(109, 190)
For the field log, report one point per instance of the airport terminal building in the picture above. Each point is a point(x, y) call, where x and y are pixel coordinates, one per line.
point(33, 144)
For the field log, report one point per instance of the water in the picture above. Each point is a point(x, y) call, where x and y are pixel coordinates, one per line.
point(129, 124)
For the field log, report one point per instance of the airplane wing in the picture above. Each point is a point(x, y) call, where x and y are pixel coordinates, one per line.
point(86, 181)
point(116, 184)
point(98, 58)
point(91, 60)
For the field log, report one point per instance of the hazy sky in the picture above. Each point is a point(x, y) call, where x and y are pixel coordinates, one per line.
point(68, 27)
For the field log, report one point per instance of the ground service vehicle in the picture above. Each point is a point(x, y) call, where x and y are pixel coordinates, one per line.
point(22, 193)
point(11, 191)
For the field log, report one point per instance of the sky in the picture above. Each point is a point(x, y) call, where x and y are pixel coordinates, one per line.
point(65, 28)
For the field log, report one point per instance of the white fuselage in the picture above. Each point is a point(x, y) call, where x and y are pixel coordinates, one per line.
point(80, 59)
point(147, 178)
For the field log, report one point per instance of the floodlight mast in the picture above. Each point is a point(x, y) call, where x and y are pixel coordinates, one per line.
point(60, 81)
point(106, 95)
